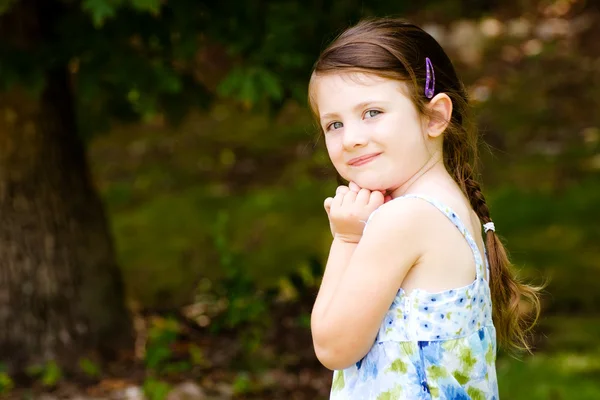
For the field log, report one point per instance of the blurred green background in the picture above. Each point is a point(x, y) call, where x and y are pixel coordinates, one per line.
point(218, 217)
point(235, 192)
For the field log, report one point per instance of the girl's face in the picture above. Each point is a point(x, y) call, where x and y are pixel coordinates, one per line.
point(373, 132)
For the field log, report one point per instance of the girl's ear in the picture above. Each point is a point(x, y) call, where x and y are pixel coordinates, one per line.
point(440, 108)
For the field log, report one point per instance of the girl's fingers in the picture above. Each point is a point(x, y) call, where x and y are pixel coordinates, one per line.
point(376, 199)
point(354, 187)
point(337, 201)
point(341, 190)
point(363, 196)
point(349, 198)
point(327, 204)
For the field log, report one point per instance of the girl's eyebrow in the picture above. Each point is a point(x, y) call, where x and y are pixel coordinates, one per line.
point(357, 107)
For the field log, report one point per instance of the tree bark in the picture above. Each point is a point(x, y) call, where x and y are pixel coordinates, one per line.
point(61, 294)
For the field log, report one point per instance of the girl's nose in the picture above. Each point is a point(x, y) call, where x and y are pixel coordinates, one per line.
point(354, 136)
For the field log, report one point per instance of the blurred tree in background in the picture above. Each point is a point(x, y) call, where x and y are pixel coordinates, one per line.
point(212, 176)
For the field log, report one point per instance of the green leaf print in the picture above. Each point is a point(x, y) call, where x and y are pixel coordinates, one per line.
point(466, 356)
point(399, 314)
point(475, 394)
point(436, 372)
point(398, 366)
point(393, 394)
point(489, 354)
point(338, 381)
point(460, 377)
point(451, 345)
point(407, 348)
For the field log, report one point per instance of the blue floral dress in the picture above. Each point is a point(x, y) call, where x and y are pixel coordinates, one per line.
point(430, 345)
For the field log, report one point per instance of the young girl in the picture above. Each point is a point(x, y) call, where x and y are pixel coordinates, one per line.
point(412, 301)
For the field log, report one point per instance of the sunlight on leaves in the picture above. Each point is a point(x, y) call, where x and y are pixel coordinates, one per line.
point(101, 10)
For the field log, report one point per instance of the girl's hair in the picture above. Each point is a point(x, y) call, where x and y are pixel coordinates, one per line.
point(396, 49)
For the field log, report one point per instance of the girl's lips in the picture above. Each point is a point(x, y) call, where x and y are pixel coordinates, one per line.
point(355, 162)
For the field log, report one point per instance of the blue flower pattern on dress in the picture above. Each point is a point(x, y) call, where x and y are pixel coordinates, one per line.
point(430, 346)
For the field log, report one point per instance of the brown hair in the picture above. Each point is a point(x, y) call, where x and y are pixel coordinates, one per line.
point(396, 49)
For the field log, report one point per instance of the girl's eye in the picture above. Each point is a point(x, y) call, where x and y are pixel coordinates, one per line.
point(372, 113)
point(334, 125)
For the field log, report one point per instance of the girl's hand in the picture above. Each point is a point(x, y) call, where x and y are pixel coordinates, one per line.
point(349, 210)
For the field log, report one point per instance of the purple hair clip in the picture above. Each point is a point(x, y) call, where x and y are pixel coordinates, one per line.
point(430, 79)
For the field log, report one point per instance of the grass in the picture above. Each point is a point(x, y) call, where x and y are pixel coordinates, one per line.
point(567, 367)
point(556, 376)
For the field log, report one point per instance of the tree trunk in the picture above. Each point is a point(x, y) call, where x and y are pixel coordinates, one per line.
point(61, 295)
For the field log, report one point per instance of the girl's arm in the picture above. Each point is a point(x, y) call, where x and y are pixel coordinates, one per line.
point(340, 254)
point(361, 281)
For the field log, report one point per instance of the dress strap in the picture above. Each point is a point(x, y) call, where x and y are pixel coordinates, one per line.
point(452, 216)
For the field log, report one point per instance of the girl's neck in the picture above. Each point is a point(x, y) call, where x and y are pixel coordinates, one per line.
point(433, 169)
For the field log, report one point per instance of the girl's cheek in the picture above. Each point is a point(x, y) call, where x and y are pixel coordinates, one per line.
point(334, 148)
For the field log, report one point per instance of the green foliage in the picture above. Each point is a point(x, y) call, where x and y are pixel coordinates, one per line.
point(567, 368)
point(5, 5)
point(550, 377)
point(197, 357)
point(179, 223)
point(163, 220)
point(244, 303)
point(177, 367)
point(161, 336)
point(246, 307)
point(101, 10)
point(6, 382)
point(133, 59)
point(242, 384)
point(155, 389)
point(548, 236)
point(89, 368)
point(158, 358)
point(304, 320)
point(49, 373)
point(251, 86)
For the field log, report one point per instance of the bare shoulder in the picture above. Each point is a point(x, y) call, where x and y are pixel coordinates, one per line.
point(403, 215)
point(395, 238)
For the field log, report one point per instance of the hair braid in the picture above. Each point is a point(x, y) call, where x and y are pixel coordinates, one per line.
point(507, 291)
point(476, 197)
